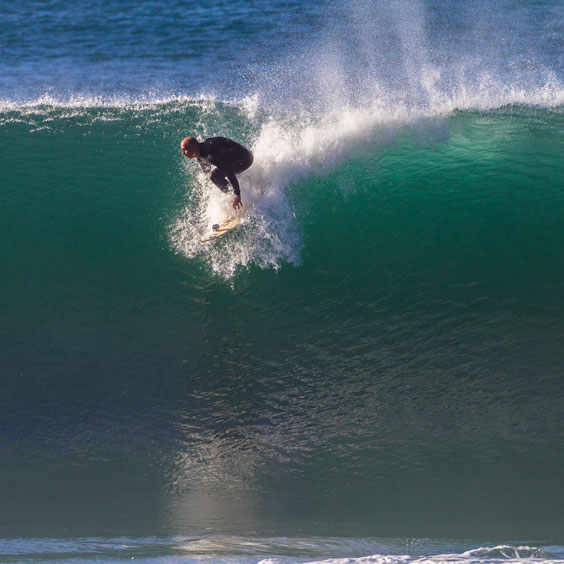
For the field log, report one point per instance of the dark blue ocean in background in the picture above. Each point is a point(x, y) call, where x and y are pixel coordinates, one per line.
point(370, 369)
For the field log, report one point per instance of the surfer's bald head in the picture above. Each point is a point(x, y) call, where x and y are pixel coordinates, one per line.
point(190, 147)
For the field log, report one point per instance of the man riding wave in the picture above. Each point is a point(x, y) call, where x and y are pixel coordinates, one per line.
point(228, 157)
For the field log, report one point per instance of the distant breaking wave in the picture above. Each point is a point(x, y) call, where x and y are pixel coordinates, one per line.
point(283, 550)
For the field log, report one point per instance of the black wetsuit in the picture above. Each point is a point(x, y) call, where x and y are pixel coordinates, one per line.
point(229, 157)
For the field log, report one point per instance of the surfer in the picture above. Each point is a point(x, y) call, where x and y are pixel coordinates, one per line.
point(229, 158)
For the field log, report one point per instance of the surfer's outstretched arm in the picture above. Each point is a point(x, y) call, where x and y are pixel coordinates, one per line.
point(237, 204)
point(234, 182)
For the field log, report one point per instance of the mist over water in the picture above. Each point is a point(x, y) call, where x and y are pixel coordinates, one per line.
point(375, 355)
point(425, 56)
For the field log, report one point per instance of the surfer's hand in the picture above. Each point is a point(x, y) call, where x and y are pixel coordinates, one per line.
point(237, 202)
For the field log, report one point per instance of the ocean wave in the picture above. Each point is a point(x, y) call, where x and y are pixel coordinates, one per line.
point(289, 147)
point(481, 93)
point(509, 552)
point(83, 103)
point(483, 555)
point(278, 550)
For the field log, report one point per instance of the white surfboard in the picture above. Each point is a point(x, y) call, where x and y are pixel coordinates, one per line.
point(220, 229)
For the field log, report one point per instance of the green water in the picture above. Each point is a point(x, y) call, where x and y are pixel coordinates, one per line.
point(396, 364)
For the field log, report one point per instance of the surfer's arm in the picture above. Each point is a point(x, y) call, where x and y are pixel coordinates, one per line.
point(237, 204)
point(234, 182)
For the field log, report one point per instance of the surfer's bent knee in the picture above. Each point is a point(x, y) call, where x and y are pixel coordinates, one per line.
point(219, 178)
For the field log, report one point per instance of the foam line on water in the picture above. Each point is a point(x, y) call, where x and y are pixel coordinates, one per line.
point(505, 554)
point(277, 550)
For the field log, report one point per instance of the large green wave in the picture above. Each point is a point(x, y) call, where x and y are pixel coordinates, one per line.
point(394, 301)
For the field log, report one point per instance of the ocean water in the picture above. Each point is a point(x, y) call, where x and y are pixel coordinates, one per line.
point(369, 370)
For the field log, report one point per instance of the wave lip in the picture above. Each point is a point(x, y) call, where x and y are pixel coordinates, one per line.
point(443, 92)
point(85, 100)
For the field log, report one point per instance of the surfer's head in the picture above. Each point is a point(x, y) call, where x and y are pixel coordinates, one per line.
point(190, 147)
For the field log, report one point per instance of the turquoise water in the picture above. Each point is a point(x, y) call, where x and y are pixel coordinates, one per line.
point(369, 367)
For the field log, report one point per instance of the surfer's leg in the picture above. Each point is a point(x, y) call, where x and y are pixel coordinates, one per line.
point(219, 178)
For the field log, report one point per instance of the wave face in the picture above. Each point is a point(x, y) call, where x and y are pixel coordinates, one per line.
point(376, 352)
